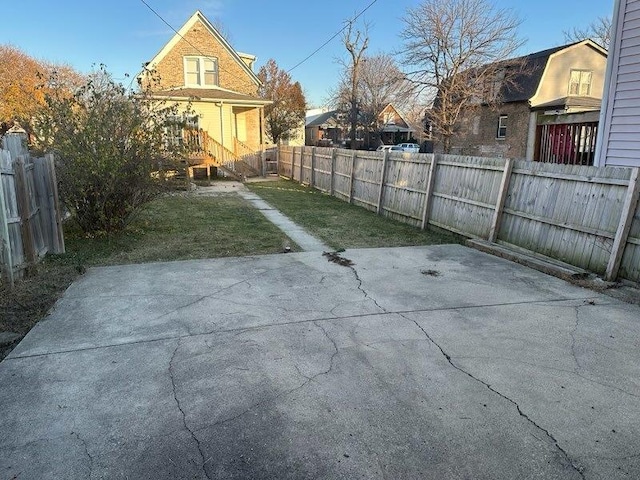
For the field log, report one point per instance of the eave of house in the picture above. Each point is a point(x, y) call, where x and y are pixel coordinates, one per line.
point(210, 95)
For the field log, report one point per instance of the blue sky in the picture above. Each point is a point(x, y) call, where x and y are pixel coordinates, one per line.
point(124, 33)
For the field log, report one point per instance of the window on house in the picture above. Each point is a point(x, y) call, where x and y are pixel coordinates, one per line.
point(200, 71)
point(502, 127)
point(580, 82)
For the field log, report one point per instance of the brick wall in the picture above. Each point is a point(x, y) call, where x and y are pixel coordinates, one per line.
point(232, 76)
point(477, 131)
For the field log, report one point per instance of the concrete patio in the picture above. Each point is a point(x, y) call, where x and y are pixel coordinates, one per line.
point(433, 362)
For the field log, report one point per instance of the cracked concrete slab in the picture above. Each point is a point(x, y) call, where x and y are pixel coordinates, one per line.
point(290, 366)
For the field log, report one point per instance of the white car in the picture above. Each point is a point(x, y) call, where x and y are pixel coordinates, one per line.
point(410, 147)
point(391, 148)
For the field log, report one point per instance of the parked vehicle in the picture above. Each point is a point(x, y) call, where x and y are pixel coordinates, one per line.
point(410, 147)
point(392, 148)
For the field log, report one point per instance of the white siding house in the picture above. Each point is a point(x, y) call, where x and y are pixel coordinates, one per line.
point(619, 136)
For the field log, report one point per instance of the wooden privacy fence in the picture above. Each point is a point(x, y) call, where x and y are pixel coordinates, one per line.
point(30, 221)
point(585, 216)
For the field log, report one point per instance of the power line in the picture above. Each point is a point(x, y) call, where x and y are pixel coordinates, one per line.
point(348, 23)
point(196, 48)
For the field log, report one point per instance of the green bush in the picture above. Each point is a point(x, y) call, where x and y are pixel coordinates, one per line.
point(111, 150)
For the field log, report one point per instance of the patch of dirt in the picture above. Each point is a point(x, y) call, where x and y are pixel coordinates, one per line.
point(31, 298)
point(336, 258)
point(431, 273)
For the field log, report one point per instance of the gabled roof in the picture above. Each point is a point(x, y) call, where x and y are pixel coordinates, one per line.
point(397, 113)
point(319, 120)
point(525, 85)
point(199, 17)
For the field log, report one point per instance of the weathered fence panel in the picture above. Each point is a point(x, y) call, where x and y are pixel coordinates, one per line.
point(285, 161)
point(573, 213)
point(323, 169)
point(367, 173)
point(343, 173)
point(565, 212)
point(30, 220)
point(405, 187)
point(465, 194)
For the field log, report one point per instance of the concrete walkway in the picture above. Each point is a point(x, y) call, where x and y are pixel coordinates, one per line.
point(299, 235)
point(414, 363)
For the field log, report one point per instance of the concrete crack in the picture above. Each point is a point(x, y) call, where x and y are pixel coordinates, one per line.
point(573, 338)
point(333, 356)
point(287, 392)
point(183, 413)
point(366, 295)
point(86, 451)
point(345, 262)
point(547, 367)
point(579, 469)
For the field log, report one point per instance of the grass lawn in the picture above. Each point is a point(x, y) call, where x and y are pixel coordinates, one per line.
point(339, 224)
point(169, 228)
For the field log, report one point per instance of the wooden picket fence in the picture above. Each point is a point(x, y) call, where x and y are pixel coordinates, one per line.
point(30, 220)
point(585, 216)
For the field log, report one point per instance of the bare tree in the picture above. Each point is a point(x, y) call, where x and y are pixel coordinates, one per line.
point(379, 83)
point(457, 51)
point(599, 31)
point(356, 43)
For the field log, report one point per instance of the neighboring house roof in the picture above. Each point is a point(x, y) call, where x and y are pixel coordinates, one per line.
point(210, 94)
point(569, 102)
point(525, 85)
point(319, 120)
point(391, 106)
point(198, 16)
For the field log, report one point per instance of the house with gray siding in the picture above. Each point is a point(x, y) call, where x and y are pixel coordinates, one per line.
point(619, 139)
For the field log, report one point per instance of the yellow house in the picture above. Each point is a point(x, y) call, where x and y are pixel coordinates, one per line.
point(200, 72)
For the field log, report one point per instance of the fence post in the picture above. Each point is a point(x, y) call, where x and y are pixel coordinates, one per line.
point(353, 167)
point(429, 191)
point(5, 241)
point(502, 196)
point(626, 219)
point(22, 196)
point(312, 177)
point(301, 165)
point(54, 205)
point(382, 176)
point(278, 160)
point(333, 171)
point(293, 163)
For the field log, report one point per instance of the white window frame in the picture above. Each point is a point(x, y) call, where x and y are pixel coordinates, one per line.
point(501, 132)
point(582, 75)
point(202, 71)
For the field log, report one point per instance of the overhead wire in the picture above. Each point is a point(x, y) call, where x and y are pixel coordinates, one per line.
point(192, 45)
point(348, 23)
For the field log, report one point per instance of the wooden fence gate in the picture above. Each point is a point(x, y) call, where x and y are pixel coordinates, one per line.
point(30, 219)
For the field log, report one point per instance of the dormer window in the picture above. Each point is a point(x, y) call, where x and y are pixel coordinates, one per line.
point(580, 82)
point(200, 72)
